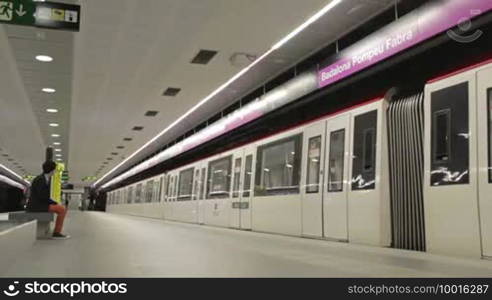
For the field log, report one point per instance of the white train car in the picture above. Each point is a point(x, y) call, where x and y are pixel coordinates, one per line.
point(140, 199)
point(278, 185)
point(411, 172)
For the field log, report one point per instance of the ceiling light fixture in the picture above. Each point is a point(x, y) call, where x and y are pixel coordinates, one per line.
point(52, 110)
point(54, 124)
point(55, 135)
point(44, 58)
point(57, 143)
point(276, 46)
point(58, 150)
point(48, 90)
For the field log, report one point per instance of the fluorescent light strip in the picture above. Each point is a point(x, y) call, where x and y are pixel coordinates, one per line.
point(308, 22)
point(13, 173)
point(282, 42)
point(11, 182)
point(223, 86)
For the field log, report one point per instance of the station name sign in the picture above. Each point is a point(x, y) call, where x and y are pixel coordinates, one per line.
point(409, 31)
point(40, 14)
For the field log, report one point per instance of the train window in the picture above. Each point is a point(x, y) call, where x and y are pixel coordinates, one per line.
point(171, 188)
point(130, 195)
point(219, 178)
point(369, 143)
point(176, 186)
point(489, 100)
point(196, 184)
point(278, 167)
point(442, 139)
point(148, 191)
point(364, 149)
point(185, 184)
point(336, 161)
point(202, 188)
point(168, 188)
point(248, 172)
point(138, 193)
point(237, 177)
point(450, 153)
point(313, 164)
point(161, 181)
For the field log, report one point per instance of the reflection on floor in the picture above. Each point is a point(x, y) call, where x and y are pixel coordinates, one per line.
point(106, 245)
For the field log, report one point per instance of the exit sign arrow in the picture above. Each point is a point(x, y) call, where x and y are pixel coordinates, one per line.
point(21, 12)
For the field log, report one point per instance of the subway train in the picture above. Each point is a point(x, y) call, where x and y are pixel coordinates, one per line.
point(410, 172)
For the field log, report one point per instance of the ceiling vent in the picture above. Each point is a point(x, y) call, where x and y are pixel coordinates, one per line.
point(120, 147)
point(114, 153)
point(137, 128)
point(204, 57)
point(127, 139)
point(109, 158)
point(151, 113)
point(171, 92)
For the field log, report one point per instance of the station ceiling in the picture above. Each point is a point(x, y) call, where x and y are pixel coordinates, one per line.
point(110, 76)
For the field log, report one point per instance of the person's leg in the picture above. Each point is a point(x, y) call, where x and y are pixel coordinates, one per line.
point(60, 211)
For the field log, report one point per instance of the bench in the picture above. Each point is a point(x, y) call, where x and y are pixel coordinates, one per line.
point(44, 221)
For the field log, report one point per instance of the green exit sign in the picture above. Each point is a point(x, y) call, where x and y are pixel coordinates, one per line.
point(40, 14)
point(17, 12)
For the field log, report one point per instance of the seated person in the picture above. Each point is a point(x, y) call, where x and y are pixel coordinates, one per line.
point(40, 200)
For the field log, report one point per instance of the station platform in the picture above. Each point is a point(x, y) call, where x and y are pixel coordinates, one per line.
point(109, 245)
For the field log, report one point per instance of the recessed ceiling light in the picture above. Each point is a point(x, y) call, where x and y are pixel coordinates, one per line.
point(44, 58)
point(59, 159)
point(114, 153)
point(52, 110)
point(48, 90)
point(55, 135)
point(120, 147)
point(58, 155)
point(151, 113)
point(127, 139)
point(56, 143)
point(137, 128)
point(204, 57)
point(54, 124)
point(171, 92)
point(58, 150)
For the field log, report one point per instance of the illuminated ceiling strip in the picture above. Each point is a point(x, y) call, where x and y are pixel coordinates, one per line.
point(276, 46)
point(15, 174)
point(11, 182)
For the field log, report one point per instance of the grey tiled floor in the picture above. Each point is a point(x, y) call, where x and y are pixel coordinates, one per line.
point(106, 245)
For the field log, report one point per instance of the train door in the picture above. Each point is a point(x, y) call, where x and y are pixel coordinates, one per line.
point(335, 201)
point(237, 161)
point(242, 188)
point(246, 190)
point(201, 192)
point(369, 217)
point(484, 97)
point(450, 164)
point(312, 191)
